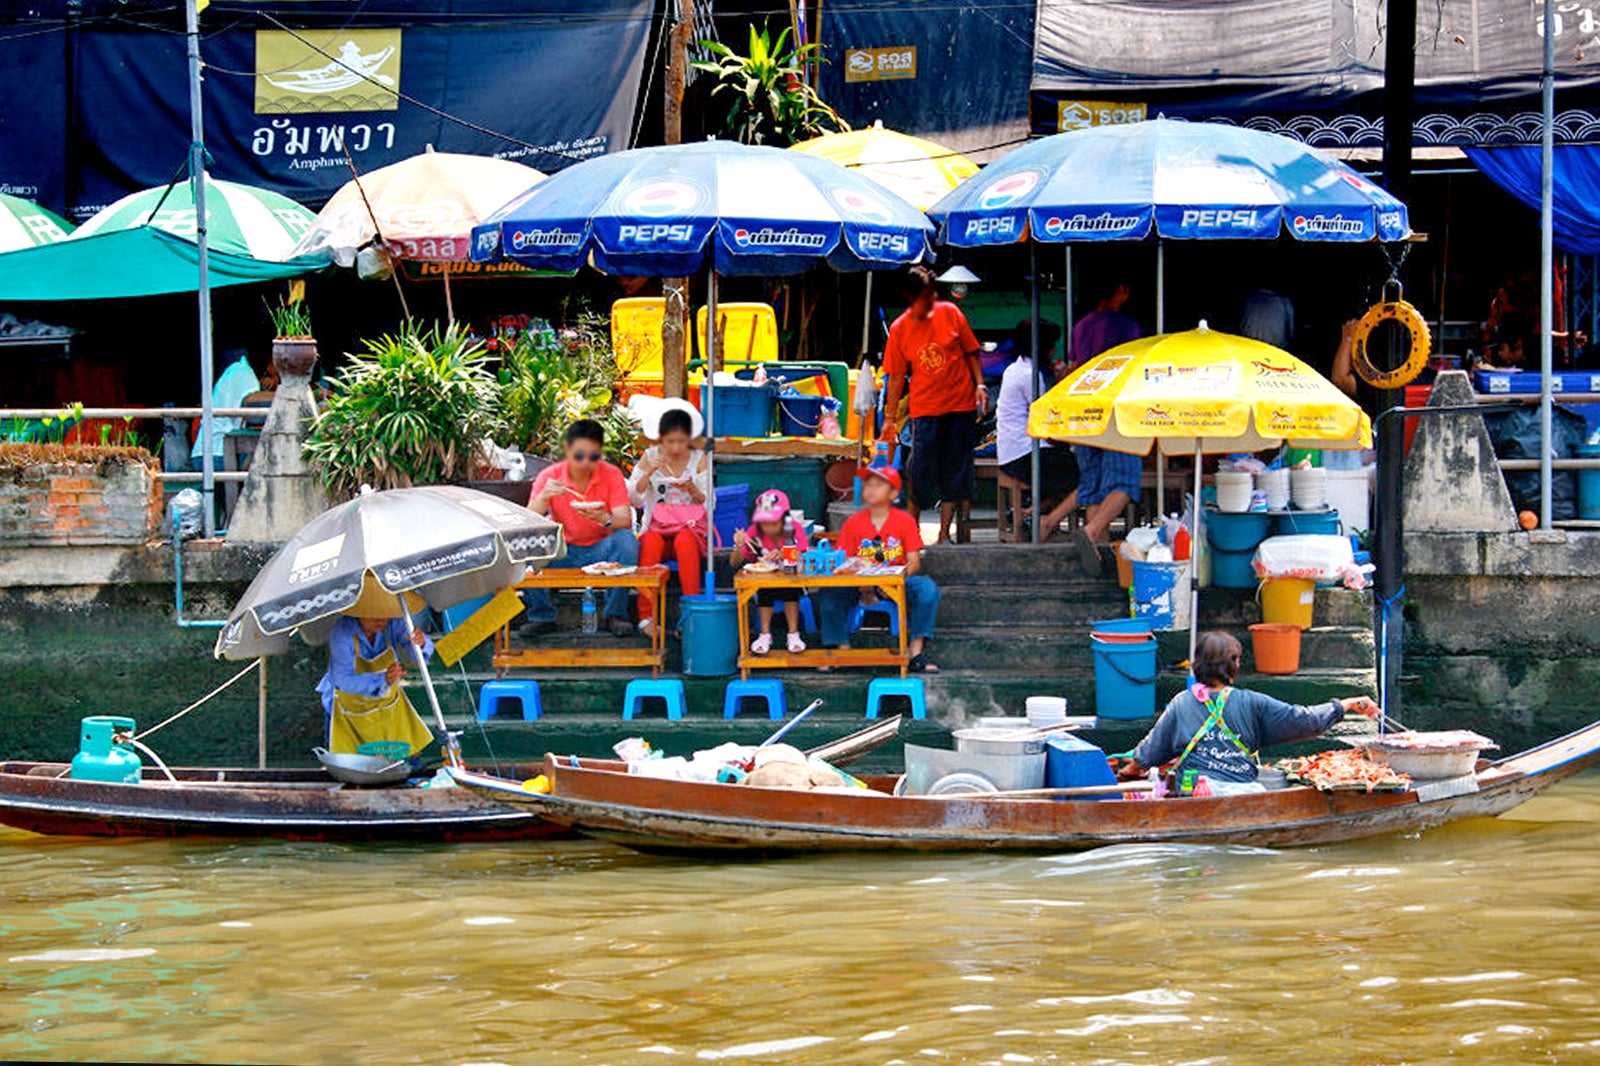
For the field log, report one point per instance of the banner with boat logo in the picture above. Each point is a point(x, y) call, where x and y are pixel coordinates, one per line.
point(295, 94)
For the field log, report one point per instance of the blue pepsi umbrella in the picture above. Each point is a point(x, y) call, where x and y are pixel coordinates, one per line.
point(1178, 180)
point(667, 211)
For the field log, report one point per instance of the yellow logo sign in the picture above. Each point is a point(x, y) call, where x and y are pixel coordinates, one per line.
point(345, 70)
point(880, 64)
point(1082, 114)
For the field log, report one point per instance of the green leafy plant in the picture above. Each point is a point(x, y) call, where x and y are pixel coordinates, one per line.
point(768, 99)
point(550, 380)
point(412, 410)
point(290, 320)
point(622, 437)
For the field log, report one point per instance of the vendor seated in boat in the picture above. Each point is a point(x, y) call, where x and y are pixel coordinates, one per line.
point(361, 691)
point(883, 535)
point(1217, 730)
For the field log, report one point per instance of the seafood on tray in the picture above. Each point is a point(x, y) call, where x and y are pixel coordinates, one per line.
point(1344, 769)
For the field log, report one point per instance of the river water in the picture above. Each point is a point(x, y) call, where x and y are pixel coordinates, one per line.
point(1477, 943)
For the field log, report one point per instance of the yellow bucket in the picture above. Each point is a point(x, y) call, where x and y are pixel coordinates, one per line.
point(1288, 601)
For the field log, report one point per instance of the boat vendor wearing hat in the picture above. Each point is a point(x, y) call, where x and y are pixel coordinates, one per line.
point(882, 534)
point(361, 691)
point(1217, 730)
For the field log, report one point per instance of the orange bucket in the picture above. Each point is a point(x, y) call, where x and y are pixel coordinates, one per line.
point(1276, 646)
point(1124, 566)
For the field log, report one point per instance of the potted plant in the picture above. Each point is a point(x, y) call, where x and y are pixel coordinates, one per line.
point(294, 349)
point(414, 409)
point(769, 101)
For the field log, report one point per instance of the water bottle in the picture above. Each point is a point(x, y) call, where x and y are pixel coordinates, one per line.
point(591, 613)
point(881, 454)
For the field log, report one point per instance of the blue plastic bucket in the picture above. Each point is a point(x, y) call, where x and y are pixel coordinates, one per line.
point(1073, 763)
point(1292, 523)
point(1236, 532)
point(710, 635)
point(1232, 570)
point(1160, 594)
point(1121, 625)
point(798, 416)
point(1588, 483)
point(740, 411)
point(1124, 680)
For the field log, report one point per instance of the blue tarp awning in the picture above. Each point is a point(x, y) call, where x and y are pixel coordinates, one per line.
point(1577, 187)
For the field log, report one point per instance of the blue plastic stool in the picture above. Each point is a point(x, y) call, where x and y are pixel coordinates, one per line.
point(858, 614)
point(910, 687)
point(639, 690)
point(808, 615)
point(769, 689)
point(525, 693)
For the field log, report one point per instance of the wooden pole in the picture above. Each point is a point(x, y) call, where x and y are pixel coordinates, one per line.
point(261, 714)
point(675, 322)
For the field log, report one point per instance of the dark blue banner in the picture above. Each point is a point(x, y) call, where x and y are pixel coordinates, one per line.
point(33, 111)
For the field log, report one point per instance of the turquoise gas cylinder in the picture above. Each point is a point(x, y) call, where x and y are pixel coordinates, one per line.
point(101, 757)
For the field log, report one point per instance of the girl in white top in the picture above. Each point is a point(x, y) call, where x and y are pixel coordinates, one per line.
point(670, 486)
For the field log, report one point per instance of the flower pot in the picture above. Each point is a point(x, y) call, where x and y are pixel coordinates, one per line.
point(294, 356)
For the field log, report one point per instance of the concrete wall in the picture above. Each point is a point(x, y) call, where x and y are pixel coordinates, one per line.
point(113, 501)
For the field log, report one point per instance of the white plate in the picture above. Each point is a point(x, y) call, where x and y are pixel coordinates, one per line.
point(761, 568)
point(587, 505)
point(602, 570)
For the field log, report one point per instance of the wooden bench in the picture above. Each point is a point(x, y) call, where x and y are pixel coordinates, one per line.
point(651, 579)
point(891, 586)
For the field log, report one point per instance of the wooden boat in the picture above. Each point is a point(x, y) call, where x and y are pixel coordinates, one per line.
point(286, 804)
point(677, 816)
point(296, 804)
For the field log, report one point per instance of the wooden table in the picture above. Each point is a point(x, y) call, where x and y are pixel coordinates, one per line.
point(651, 579)
point(891, 586)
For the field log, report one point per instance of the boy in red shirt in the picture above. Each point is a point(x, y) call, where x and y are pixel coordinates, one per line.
point(882, 534)
point(589, 497)
point(933, 345)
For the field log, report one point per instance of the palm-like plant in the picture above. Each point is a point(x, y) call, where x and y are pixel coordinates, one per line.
point(412, 410)
point(769, 101)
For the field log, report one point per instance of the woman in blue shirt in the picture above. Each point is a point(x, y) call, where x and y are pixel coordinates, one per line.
point(361, 691)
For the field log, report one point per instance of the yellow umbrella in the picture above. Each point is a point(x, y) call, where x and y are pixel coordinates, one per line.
point(919, 172)
point(1199, 391)
point(1195, 392)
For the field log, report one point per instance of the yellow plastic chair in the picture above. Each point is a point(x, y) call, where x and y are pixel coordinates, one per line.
point(636, 335)
point(749, 333)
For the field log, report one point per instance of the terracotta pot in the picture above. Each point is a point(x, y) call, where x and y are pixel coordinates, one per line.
point(294, 356)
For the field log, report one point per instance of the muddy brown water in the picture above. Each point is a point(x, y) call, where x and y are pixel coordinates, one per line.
point(1473, 944)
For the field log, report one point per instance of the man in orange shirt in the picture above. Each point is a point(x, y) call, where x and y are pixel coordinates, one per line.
point(933, 345)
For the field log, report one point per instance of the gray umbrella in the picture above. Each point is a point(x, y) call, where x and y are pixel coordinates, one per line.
point(370, 556)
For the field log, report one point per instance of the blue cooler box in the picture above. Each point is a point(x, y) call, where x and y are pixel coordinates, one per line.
point(1073, 763)
point(1499, 382)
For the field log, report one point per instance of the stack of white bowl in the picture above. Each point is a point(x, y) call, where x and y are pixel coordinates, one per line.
point(1234, 488)
point(1045, 711)
point(1309, 488)
point(1275, 483)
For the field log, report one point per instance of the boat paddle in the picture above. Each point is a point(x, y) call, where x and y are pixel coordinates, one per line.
point(790, 724)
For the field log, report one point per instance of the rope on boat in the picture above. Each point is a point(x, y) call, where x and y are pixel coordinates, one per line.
point(202, 701)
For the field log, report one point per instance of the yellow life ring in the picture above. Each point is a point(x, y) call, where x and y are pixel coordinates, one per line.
point(1416, 360)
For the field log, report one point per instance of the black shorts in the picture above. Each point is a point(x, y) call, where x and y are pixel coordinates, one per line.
point(941, 458)
point(777, 597)
point(1058, 471)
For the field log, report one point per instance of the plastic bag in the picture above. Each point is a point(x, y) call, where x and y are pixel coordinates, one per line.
point(1316, 557)
point(184, 514)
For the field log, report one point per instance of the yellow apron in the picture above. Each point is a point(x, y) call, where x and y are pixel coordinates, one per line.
point(359, 719)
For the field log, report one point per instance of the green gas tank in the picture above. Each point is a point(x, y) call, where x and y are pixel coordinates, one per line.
point(101, 757)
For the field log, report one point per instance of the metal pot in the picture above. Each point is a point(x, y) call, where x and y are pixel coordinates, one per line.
point(363, 769)
point(985, 741)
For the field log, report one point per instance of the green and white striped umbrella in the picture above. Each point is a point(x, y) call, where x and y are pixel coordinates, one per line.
point(24, 224)
point(244, 220)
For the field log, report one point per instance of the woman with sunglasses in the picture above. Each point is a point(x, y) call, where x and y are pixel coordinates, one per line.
point(589, 497)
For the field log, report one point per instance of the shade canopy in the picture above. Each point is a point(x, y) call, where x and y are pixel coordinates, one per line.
point(425, 207)
point(1198, 390)
point(24, 224)
point(666, 211)
point(243, 220)
point(137, 262)
point(1177, 180)
point(919, 172)
point(444, 543)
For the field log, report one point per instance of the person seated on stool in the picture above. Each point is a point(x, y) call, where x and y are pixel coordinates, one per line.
point(882, 534)
point(361, 692)
point(589, 497)
point(669, 486)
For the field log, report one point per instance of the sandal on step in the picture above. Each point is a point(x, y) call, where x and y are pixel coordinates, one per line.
point(919, 664)
point(762, 644)
point(795, 644)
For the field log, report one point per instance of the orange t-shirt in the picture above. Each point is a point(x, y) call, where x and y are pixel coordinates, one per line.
point(607, 486)
point(933, 351)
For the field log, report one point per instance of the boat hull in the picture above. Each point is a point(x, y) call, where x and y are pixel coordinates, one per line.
point(230, 803)
point(676, 816)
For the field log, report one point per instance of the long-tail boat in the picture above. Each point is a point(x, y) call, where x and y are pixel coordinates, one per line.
point(655, 815)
